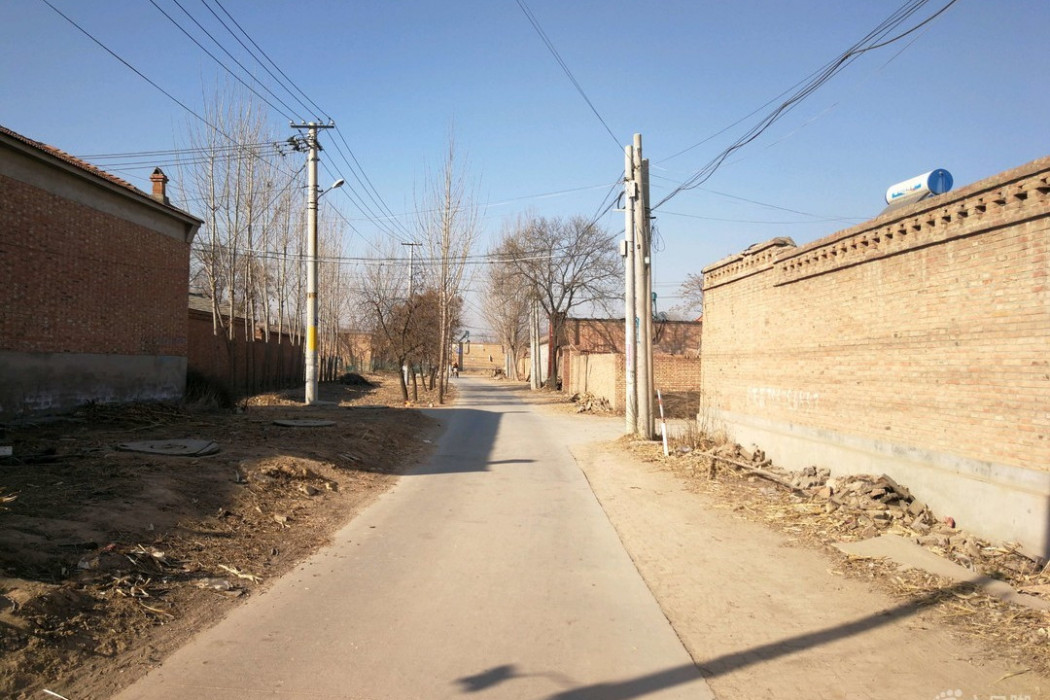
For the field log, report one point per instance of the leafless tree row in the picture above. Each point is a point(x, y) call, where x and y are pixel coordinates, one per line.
point(250, 255)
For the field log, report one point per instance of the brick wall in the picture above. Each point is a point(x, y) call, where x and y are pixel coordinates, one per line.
point(603, 374)
point(93, 304)
point(244, 368)
point(605, 335)
point(82, 280)
point(482, 357)
point(917, 344)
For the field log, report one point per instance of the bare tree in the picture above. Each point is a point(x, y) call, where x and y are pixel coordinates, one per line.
point(238, 176)
point(692, 294)
point(448, 219)
point(507, 311)
point(398, 319)
point(565, 264)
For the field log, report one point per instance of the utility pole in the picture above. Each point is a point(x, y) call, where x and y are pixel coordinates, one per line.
point(630, 192)
point(637, 252)
point(640, 305)
point(645, 298)
point(411, 267)
point(311, 254)
point(534, 345)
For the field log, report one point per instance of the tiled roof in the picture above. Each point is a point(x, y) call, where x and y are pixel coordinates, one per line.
point(72, 160)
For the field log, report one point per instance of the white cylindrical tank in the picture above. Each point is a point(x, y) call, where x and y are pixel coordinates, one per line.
point(936, 181)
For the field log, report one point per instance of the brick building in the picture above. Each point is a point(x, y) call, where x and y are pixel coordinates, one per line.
point(93, 305)
point(916, 344)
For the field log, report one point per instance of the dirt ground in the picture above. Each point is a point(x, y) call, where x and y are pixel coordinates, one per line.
point(798, 506)
point(110, 559)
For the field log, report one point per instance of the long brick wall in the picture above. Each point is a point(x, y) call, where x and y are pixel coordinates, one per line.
point(243, 368)
point(917, 344)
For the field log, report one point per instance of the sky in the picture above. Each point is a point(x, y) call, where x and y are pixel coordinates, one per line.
point(967, 92)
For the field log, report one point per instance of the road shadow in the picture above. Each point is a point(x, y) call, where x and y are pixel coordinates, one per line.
point(720, 665)
point(465, 443)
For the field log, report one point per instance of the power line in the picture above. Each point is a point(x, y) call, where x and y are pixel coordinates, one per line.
point(565, 67)
point(267, 57)
point(174, 151)
point(249, 50)
point(747, 221)
point(221, 64)
point(875, 39)
point(152, 83)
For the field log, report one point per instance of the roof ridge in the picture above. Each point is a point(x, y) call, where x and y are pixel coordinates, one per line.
point(71, 160)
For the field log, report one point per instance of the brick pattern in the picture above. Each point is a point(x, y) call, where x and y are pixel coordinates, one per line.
point(603, 335)
point(603, 374)
point(243, 367)
point(80, 280)
point(928, 327)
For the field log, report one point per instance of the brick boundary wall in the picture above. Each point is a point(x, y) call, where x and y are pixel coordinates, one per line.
point(277, 364)
point(916, 344)
point(603, 375)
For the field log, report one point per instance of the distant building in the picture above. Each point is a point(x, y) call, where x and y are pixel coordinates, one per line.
point(93, 305)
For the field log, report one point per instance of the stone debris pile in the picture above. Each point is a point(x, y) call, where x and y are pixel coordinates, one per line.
point(861, 506)
point(589, 403)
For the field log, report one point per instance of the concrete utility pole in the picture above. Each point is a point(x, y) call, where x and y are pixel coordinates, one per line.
point(646, 413)
point(534, 343)
point(313, 195)
point(640, 302)
point(411, 267)
point(637, 294)
point(630, 192)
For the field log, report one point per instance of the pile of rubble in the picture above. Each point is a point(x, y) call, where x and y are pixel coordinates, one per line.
point(589, 403)
point(861, 506)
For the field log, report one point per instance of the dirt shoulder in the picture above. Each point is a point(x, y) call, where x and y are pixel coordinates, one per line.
point(766, 612)
point(716, 506)
point(111, 559)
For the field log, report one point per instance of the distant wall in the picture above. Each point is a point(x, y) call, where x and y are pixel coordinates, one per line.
point(605, 335)
point(481, 357)
point(596, 374)
point(245, 368)
point(604, 375)
point(917, 344)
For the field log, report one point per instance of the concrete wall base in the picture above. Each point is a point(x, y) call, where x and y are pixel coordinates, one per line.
point(40, 383)
point(1000, 502)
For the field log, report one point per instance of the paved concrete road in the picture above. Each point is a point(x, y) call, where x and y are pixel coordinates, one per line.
point(491, 572)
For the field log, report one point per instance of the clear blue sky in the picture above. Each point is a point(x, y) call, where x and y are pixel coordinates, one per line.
point(968, 93)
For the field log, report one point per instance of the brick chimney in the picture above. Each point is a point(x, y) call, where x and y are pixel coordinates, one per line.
point(160, 181)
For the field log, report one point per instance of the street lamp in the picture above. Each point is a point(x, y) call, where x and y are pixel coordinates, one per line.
point(335, 185)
